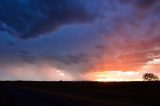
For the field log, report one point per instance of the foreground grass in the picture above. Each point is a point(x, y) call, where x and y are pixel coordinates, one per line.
point(111, 93)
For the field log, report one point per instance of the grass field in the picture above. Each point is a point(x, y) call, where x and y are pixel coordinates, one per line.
point(104, 93)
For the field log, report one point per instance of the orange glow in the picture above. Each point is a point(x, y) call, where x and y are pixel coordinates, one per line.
point(125, 62)
point(114, 76)
point(121, 75)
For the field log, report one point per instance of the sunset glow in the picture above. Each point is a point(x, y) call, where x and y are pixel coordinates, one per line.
point(98, 40)
point(115, 76)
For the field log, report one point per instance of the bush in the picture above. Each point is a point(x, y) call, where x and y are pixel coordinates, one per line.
point(150, 77)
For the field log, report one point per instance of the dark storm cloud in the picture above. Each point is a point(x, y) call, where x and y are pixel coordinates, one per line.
point(24, 52)
point(70, 59)
point(141, 4)
point(145, 4)
point(11, 43)
point(30, 18)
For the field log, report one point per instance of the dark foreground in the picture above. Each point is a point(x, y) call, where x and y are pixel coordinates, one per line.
point(60, 93)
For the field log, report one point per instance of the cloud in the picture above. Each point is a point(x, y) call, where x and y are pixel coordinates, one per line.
point(141, 4)
point(27, 19)
point(127, 46)
point(38, 72)
point(145, 4)
point(70, 59)
point(11, 43)
point(127, 54)
point(83, 36)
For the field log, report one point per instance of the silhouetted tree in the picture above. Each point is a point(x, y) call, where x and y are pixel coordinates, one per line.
point(150, 77)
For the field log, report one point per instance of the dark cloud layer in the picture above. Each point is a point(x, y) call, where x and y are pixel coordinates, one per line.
point(31, 18)
point(141, 4)
point(70, 59)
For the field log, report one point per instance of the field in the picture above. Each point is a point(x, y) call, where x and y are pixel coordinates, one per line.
point(80, 93)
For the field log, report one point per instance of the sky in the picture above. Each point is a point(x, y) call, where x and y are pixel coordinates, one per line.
point(97, 40)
